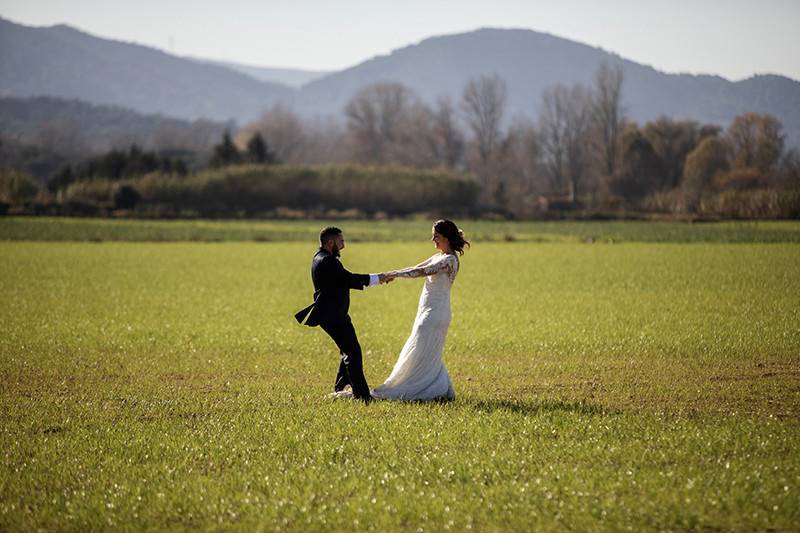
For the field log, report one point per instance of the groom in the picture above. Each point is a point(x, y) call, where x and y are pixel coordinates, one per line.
point(332, 284)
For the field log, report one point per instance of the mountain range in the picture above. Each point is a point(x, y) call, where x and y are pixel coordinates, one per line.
point(64, 62)
point(293, 77)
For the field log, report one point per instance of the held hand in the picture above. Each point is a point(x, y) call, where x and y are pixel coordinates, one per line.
point(385, 278)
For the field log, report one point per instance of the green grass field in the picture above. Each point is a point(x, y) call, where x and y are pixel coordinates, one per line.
point(651, 384)
point(407, 230)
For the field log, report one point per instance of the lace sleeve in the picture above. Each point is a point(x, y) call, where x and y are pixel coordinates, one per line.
point(426, 262)
point(429, 268)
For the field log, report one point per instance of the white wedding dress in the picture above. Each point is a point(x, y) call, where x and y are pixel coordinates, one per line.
point(419, 373)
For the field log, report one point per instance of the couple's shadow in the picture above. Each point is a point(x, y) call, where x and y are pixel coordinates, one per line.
point(526, 406)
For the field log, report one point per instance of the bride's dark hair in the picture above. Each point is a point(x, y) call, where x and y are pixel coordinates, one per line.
point(449, 230)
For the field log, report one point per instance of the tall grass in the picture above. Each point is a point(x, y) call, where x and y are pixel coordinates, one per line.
point(753, 204)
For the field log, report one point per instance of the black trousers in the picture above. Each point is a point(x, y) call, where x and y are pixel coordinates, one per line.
point(351, 369)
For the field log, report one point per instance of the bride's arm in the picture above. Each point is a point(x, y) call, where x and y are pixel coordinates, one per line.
point(424, 263)
point(396, 273)
point(426, 268)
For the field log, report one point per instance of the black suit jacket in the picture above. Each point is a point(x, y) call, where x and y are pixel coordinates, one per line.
point(332, 284)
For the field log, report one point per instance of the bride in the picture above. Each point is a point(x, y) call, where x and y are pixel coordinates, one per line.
point(419, 373)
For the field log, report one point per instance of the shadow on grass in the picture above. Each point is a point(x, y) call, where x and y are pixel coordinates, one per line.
point(535, 407)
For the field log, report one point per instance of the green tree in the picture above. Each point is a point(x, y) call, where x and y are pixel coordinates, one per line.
point(225, 153)
point(61, 179)
point(672, 141)
point(258, 151)
point(639, 169)
point(126, 197)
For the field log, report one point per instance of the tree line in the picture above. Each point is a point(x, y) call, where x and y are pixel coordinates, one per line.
point(41, 136)
point(582, 153)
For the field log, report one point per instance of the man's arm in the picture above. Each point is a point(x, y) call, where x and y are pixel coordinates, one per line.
point(341, 276)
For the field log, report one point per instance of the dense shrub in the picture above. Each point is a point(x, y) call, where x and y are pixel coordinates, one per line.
point(16, 187)
point(762, 203)
point(91, 191)
point(126, 197)
point(255, 189)
point(741, 179)
point(668, 201)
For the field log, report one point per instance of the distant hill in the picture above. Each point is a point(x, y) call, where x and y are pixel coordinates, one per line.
point(530, 62)
point(61, 61)
point(99, 128)
point(64, 62)
point(287, 76)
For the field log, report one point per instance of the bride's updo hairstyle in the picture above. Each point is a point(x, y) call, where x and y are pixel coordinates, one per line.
point(449, 230)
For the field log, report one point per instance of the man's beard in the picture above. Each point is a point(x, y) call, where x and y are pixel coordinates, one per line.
point(335, 251)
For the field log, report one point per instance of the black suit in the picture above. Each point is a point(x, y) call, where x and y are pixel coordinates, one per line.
point(332, 284)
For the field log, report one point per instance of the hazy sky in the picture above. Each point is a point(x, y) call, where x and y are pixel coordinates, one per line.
point(732, 38)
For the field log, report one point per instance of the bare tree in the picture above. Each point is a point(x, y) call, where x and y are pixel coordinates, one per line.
point(526, 149)
point(707, 161)
point(62, 136)
point(448, 137)
point(789, 175)
point(203, 134)
point(552, 128)
point(483, 103)
point(414, 142)
point(373, 118)
point(756, 141)
point(564, 125)
point(326, 141)
point(607, 114)
point(166, 136)
point(281, 129)
point(519, 169)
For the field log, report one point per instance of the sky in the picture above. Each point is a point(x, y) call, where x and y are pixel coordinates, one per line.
point(731, 38)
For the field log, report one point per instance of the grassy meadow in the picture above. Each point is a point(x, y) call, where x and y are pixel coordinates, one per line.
point(608, 376)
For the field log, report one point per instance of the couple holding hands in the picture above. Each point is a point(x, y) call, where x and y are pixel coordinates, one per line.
point(419, 373)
